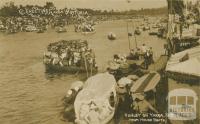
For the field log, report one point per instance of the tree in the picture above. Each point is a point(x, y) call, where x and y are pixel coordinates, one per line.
point(49, 5)
point(9, 9)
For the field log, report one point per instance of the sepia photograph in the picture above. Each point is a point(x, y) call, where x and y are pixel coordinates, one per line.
point(99, 61)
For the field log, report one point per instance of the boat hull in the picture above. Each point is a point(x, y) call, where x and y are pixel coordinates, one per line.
point(72, 69)
point(97, 100)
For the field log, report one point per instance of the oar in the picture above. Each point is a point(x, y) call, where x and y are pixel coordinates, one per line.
point(77, 73)
point(86, 65)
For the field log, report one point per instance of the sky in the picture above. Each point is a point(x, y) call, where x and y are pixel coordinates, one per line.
point(95, 4)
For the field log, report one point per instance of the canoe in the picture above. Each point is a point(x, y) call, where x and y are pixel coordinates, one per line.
point(146, 83)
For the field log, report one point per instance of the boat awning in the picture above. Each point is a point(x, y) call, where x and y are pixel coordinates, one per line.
point(95, 95)
point(146, 83)
point(189, 66)
point(97, 87)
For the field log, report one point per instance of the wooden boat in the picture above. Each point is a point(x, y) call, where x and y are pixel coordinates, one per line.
point(71, 69)
point(40, 30)
point(12, 31)
point(145, 28)
point(2, 28)
point(87, 32)
point(137, 31)
point(61, 30)
point(146, 83)
point(161, 32)
point(111, 36)
point(83, 61)
point(69, 99)
point(184, 43)
point(96, 102)
point(153, 32)
point(30, 28)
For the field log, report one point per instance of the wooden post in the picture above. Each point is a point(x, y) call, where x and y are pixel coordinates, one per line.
point(134, 35)
point(135, 41)
point(91, 66)
point(128, 38)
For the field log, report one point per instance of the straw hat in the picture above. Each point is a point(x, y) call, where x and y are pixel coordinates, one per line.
point(124, 81)
point(76, 88)
point(69, 93)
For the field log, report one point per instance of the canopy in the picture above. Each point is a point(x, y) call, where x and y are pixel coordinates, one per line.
point(96, 89)
point(189, 66)
point(146, 83)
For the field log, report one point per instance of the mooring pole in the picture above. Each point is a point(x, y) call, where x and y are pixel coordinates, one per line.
point(128, 37)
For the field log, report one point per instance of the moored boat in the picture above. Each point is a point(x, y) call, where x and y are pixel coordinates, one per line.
point(112, 36)
point(153, 32)
point(61, 30)
point(96, 102)
point(137, 31)
point(70, 56)
point(71, 69)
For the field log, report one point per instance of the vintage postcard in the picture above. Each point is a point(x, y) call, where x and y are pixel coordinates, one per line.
point(99, 61)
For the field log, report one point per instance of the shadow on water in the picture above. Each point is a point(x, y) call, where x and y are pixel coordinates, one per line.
point(58, 75)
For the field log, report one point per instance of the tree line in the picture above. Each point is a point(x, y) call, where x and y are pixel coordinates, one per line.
point(10, 9)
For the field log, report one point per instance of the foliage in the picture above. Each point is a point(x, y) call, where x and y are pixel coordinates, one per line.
point(9, 9)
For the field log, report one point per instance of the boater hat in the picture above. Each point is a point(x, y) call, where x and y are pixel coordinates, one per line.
point(124, 81)
point(69, 93)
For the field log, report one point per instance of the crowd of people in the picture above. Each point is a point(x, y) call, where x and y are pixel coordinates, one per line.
point(141, 53)
point(94, 113)
point(87, 26)
point(31, 19)
point(30, 24)
point(130, 102)
point(20, 24)
point(70, 53)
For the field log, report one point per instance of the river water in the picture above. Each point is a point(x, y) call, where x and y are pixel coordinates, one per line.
point(28, 95)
